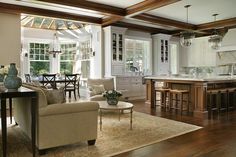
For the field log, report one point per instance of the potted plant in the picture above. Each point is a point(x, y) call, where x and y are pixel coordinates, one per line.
point(112, 96)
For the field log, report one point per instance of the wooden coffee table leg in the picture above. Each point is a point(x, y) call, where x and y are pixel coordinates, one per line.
point(100, 120)
point(119, 114)
point(131, 118)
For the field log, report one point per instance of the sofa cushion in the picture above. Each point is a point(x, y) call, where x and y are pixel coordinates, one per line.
point(97, 89)
point(68, 108)
point(97, 98)
point(107, 82)
point(54, 96)
point(42, 99)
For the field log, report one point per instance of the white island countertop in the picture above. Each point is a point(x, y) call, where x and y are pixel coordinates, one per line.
point(191, 78)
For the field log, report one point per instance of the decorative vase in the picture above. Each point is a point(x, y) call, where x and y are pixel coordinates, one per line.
point(12, 82)
point(112, 101)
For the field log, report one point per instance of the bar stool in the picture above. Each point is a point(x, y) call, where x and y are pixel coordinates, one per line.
point(179, 93)
point(215, 100)
point(231, 97)
point(163, 96)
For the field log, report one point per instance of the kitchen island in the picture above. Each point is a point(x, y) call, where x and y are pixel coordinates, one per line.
point(197, 87)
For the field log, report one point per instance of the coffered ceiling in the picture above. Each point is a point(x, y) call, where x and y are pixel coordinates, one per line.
point(154, 16)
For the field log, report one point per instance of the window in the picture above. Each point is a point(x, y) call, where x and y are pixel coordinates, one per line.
point(67, 58)
point(137, 56)
point(39, 58)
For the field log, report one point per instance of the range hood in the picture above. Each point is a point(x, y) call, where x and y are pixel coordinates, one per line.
point(229, 41)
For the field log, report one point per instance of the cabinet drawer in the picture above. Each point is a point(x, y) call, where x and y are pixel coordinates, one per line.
point(136, 80)
point(122, 80)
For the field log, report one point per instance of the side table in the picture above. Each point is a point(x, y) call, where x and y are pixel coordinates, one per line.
point(21, 92)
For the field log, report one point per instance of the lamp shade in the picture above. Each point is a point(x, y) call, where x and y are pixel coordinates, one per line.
point(186, 38)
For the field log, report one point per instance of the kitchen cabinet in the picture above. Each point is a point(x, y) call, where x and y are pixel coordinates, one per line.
point(114, 50)
point(161, 50)
point(131, 85)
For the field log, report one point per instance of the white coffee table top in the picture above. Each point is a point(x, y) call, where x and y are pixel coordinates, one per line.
point(120, 106)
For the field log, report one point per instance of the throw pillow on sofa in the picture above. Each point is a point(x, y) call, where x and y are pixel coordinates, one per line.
point(55, 96)
point(97, 89)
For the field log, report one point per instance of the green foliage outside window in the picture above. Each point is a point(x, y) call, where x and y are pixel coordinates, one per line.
point(39, 58)
point(39, 68)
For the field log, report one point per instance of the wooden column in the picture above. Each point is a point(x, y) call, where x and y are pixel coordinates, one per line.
point(200, 100)
point(150, 91)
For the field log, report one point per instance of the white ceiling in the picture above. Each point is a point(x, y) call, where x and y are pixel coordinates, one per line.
point(118, 3)
point(200, 12)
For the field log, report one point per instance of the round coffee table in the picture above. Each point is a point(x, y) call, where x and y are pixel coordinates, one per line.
point(120, 107)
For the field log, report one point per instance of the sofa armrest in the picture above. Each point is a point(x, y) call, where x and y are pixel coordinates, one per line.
point(67, 108)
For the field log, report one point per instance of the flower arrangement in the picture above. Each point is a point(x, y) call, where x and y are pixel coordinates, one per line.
point(4, 70)
point(112, 94)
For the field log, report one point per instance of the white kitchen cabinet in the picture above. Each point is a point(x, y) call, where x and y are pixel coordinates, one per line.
point(114, 50)
point(161, 50)
point(131, 85)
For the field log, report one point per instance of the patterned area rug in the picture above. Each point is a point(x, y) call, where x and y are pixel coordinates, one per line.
point(115, 137)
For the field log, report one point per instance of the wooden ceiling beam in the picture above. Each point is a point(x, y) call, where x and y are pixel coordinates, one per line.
point(43, 12)
point(217, 24)
point(146, 6)
point(164, 22)
point(139, 8)
point(142, 28)
point(98, 7)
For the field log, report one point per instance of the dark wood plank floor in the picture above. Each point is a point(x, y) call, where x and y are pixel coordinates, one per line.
point(216, 139)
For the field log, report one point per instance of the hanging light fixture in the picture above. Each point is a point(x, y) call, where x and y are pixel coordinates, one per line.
point(215, 39)
point(55, 46)
point(186, 37)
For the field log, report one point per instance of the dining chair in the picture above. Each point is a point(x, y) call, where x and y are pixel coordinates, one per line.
point(78, 84)
point(27, 78)
point(49, 80)
point(70, 84)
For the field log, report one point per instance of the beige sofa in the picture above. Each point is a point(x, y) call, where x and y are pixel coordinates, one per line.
point(58, 124)
point(108, 85)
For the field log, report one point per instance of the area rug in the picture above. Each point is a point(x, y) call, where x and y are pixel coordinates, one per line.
point(115, 137)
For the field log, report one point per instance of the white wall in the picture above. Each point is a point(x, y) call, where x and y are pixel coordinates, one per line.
point(97, 60)
point(10, 39)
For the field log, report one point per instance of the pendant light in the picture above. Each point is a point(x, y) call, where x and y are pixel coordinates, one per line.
point(55, 46)
point(186, 37)
point(215, 39)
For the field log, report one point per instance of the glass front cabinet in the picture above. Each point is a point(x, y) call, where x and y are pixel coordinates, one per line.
point(114, 50)
point(161, 54)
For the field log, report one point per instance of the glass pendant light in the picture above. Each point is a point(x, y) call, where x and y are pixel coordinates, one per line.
point(55, 46)
point(215, 39)
point(186, 37)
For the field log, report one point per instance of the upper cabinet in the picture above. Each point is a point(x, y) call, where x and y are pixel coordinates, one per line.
point(114, 50)
point(161, 50)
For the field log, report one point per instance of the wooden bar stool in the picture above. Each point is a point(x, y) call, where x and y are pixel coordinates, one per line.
point(215, 101)
point(163, 96)
point(179, 102)
point(231, 97)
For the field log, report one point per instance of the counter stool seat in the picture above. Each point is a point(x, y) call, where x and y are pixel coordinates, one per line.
point(180, 93)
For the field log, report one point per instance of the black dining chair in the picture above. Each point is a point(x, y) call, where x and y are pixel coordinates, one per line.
point(27, 78)
point(78, 84)
point(49, 80)
point(70, 84)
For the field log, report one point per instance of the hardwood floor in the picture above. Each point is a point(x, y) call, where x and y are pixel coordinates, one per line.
point(217, 138)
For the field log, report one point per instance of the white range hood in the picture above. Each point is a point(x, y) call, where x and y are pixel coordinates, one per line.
point(229, 41)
